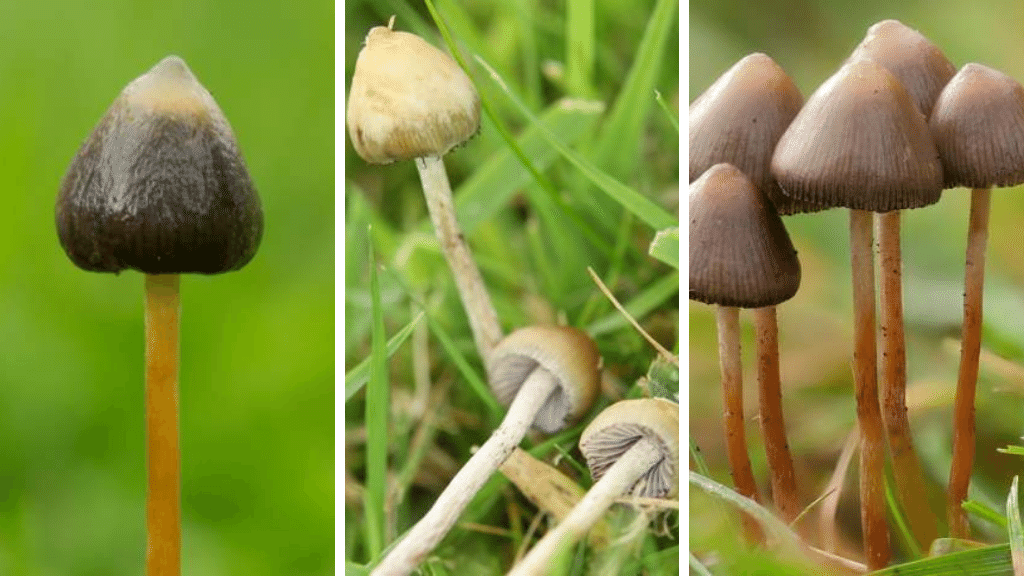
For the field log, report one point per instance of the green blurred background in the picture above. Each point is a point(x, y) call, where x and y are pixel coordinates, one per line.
point(257, 367)
point(810, 40)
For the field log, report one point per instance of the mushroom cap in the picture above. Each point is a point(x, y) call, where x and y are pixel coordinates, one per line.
point(740, 253)
point(408, 99)
point(740, 118)
point(917, 63)
point(860, 142)
point(569, 354)
point(619, 426)
point(978, 126)
point(159, 185)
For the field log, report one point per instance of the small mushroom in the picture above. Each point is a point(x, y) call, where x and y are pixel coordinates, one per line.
point(978, 125)
point(741, 256)
point(160, 186)
point(409, 100)
point(860, 142)
point(550, 376)
point(632, 448)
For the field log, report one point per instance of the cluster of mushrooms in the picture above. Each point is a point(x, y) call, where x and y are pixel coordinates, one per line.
point(893, 127)
point(409, 100)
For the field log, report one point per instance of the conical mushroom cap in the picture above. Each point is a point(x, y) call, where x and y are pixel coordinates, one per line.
point(738, 121)
point(740, 253)
point(978, 126)
point(408, 99)
point(917, 63)
point(159, 185)
point(860, 142)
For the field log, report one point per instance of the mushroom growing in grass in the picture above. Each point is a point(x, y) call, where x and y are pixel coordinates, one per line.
point(632, 449)
point(923, 70)
point(860, 142)
point(548, 375)
point(160, 186)
point(741, 256)
point(409, 100)
point(978, 126)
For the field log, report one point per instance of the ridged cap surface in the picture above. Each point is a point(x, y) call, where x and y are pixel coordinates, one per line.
point(740, 252)
point(159, 185)
point(978, 125)
point(860, 142)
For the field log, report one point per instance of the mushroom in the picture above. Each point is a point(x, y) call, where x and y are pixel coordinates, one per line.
point(741, 256)
point(738, 120)
point(409, 100)
point(549, 377)
point(978, 126)
point(632, 448)
point(923, 70)
point(159, 186)
point(860, 142)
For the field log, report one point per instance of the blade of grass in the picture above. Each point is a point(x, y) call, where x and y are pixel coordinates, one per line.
point(665, 246)
point(1015, 530)
point(378, 406)
point(360, 373)
point(984, 561)
point(668, 111)
point(623, 241)
point(579, 47)
point(650, 298)
point(641, 206)
point(909, 542)
point(984, 512)
point(494, 410)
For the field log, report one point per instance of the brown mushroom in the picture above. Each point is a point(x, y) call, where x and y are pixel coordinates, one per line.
point(978, 125)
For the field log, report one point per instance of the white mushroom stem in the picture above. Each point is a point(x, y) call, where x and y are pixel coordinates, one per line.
point(633, 464)
point(483, 319)
point(426, 534)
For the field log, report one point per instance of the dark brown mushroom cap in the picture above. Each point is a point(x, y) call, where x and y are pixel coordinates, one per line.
point(160, 186)
point(917, 63)
point(860, 142)
point(618, 427)
point(740, 253)
point(978, 126)
point(738, 121)
point(568, 354)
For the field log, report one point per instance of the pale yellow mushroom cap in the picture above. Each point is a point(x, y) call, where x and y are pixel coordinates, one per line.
point(408, 99)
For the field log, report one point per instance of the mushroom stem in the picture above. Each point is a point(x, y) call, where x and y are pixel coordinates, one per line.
point(426, 534)
point(633, 464)
point(163, 499)
point(483, 319)
point(869, 413)
point(963, 412)
point(728, 318)
point(906, 468)
point(773, 425)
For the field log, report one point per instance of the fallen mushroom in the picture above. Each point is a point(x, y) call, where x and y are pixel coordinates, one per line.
point(548, 376)
point(632, 448)
point(159, 186)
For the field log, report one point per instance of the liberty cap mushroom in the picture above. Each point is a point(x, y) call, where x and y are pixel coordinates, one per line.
point(978, 125)
point(741, 256)
point(559, 371)
point(860, 142)
point(923, 70)
point(160, 186)
point(409, 100)
point(632, 448)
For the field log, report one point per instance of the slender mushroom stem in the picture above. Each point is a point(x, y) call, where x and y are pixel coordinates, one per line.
point(425, 535)
point(773, 426)
point(869, 413)
point(732, 404)
point(906, 467)
point(963, 412)
point(163, 499)
point(633, 464)
point(483, 319)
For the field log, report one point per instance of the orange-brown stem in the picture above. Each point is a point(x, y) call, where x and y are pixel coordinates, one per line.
point(869, 413)
point(163, 500)
point(732, 404)
point(910, 480)
point(773, 426)
point(963, 410)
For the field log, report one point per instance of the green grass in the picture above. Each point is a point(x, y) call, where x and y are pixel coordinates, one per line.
point(541, 195)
